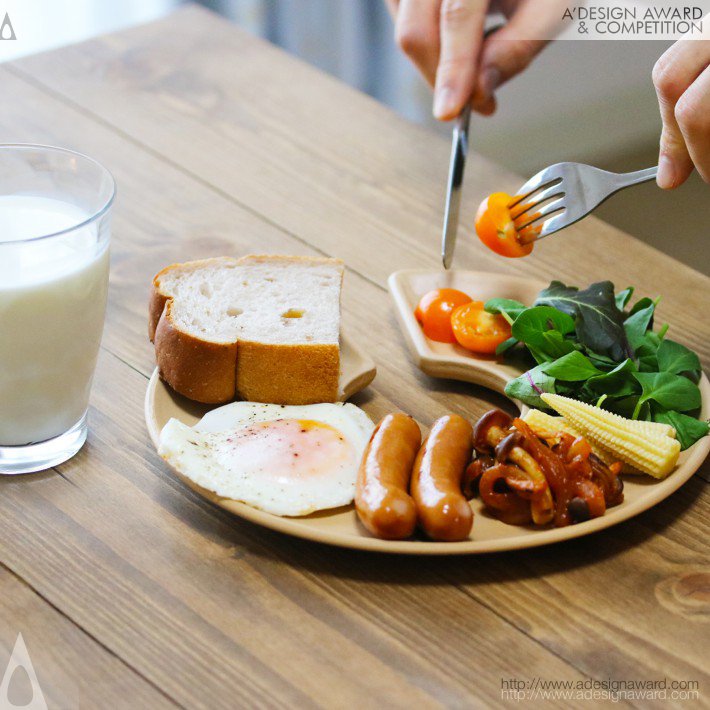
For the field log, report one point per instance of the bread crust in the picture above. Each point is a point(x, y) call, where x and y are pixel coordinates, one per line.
point(156, 306)
point(198, 369)
point(288, 374)
point(216, 373)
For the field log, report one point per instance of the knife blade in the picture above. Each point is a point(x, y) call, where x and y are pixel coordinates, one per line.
point(459, 150)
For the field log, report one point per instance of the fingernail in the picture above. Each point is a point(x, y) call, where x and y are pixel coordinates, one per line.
point(443, 102)
point(667, 174)
point(490, 80)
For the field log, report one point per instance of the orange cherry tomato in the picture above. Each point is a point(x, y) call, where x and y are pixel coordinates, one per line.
point(477, 330)
point(495, 228)
point(434, 313)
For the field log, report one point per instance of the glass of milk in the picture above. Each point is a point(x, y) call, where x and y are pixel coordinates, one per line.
point(55, 208)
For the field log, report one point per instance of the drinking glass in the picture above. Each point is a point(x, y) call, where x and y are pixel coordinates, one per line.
point(55, 210)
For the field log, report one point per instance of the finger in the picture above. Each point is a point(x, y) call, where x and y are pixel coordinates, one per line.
point(417, 34)
point(672, 74)
point(461, 33)
point(510, 49)
point(392, 6)
point(692, 112)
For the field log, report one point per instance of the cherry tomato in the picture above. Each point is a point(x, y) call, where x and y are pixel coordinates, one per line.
point(477, 330)
point(495, 228)
point(434, 313)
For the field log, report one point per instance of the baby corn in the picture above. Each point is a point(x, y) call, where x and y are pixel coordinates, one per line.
point(546, 426)
point(646, 446)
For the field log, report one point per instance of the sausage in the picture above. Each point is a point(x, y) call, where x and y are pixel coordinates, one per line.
point(381, 499)
point(442, 509)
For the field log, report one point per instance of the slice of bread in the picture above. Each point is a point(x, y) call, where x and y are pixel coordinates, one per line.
point(259, 328)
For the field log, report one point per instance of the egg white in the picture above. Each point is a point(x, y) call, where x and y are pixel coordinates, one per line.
point(207, 454)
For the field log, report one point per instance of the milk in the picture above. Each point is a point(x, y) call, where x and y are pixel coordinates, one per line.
point(52, 304)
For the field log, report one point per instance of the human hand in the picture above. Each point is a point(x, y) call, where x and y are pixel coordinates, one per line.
point(682, 80)
point(444, 38)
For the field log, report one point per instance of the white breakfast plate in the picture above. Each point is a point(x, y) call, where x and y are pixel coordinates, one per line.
point(341, 527)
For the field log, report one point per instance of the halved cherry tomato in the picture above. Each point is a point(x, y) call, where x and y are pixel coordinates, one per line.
point(434, 313)
point(495, 228)
point(477, 330)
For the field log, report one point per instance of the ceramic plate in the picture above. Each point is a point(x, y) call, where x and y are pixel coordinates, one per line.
point(340, 526)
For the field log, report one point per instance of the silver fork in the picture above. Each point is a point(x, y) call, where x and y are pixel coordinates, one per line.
point(564, 193)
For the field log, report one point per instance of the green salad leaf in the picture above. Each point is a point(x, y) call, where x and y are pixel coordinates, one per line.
point(599, 322)
point(636, 325)
point(618, 382)
point(595, 346)
point(668, 390)
point(532, 323)
point(506, 345)
point(505, 306)
point(676, 358)
point(687, 429)
point(623, 297)
point(572, 367)
point(530, 385)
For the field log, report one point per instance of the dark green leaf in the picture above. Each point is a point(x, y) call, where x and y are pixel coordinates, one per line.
point(506, 345)
point(599, 322)
point(637, 324)
point(676, 358)
point(529, 386)
point(623, 297)
point(670, 391)
point(505, 305)
point(687, 429)
point(620, 382)
point(573, 367)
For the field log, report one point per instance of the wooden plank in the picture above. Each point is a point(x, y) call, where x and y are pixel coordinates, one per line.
point(323, 162)
point(73, 669)
point(169, 581)
point(218, 612)
point(399, 384)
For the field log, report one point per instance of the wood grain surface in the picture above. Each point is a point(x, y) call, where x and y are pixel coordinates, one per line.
point(133, 592)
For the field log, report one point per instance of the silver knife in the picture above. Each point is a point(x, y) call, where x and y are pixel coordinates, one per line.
point(459, 149)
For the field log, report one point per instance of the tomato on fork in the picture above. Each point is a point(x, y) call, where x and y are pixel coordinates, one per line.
point(434, 313)
point(477, 330)
point(496, 229)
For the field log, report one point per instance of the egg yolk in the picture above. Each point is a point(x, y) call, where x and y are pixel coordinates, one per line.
point(288, 449)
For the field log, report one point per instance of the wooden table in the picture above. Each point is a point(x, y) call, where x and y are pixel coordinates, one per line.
point(132, 592)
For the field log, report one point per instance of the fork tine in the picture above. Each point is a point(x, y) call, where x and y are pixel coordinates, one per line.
point(524, 205)
point(539, 215)
point(538, 230)
point(537, 181)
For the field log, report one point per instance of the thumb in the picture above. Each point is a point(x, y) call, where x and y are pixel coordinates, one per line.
point(674, 162)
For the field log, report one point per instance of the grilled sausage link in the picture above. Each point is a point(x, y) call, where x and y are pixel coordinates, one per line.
point(443, 512)
point(381, 499)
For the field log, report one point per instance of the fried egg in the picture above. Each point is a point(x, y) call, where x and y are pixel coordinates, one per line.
point(285, 460)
